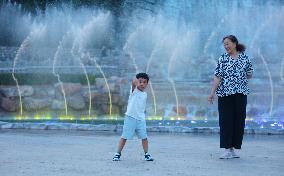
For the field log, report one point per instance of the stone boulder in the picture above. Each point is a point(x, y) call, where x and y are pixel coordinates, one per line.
point(69, 88)
point(10, 104)
point(31, 104)
point(25, 91)
point(115, 98)
point(182, 111)
point(94, 94)
point(76, 102)
point(201, 112)
point(105, 109)
point(44, 91)
point(57, 104)
point(100, 83)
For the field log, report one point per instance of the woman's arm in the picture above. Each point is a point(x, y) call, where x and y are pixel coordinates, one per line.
point(249, 69)
point(215, 85)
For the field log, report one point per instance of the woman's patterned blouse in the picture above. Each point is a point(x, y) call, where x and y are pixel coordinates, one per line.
point(233, 74)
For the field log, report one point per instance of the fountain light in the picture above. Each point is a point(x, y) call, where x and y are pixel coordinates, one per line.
point(66, 117)
point(37, 117)
point(47, 117)
point(19, 117)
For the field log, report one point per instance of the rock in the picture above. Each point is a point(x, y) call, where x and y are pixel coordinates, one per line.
point(105, 109)
point(69, 88)
point(57, 105)
point(44, 91)
point(25, 91)
point(253, 111)
point(31, 104)
point(10, 104)
point(101, 99)
point(115, 109)
point(100, 83)
point(76, 102)
point(182, 111)
point(115, 98)
point(201, 112)
point(94, 94)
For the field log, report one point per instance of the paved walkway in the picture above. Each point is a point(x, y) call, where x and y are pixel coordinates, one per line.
point(84, 153)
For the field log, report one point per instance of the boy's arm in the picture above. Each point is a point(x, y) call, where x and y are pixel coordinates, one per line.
point(133, 86)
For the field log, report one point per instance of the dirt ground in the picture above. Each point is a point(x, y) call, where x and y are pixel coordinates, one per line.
point(83, 153)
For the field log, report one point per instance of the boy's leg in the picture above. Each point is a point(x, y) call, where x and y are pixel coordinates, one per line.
point(127, 133)
point(117, 155)
point(121, 144)
point(145, 145)
point(147, 156)
point(142, 134)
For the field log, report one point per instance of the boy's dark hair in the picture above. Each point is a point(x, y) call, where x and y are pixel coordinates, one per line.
point(143, 75)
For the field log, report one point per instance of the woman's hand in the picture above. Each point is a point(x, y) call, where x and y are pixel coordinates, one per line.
point(211, 98)
point(249, 74)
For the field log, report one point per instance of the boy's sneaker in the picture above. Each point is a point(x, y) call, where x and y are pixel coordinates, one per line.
point(234, 155)
point(148, 157)
point(116, 157)
point(226, 155)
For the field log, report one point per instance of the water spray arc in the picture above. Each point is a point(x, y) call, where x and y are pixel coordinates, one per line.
point(85, 73)
point(260, 29)
point(60, 47)
point(270, 83)
point(171, 81)
point(105, 79)
point(35, 33)
point(147, 71)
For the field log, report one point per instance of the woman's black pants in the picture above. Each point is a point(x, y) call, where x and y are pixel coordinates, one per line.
point(232, 115)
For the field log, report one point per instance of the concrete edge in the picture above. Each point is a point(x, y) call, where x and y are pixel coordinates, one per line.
point(118, 128)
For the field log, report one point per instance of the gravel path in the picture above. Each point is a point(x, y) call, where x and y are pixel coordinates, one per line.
point(83, 153)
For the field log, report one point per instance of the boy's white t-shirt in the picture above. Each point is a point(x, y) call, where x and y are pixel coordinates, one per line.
point(136, 104)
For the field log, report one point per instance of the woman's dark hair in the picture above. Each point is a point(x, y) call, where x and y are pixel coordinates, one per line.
point(143, 75)
point(240, 47)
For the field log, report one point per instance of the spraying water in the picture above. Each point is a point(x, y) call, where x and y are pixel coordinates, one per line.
point(36, 33)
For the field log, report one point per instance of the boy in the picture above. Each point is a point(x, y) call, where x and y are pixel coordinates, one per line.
point(135, 116)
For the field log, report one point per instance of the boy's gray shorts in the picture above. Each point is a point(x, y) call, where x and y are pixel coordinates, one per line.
point(132, 125)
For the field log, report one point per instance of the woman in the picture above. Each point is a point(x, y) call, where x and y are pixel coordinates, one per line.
point(230, 83)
